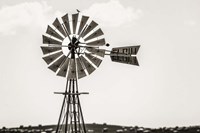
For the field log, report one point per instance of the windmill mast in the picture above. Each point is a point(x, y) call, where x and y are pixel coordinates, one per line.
point(71, 114)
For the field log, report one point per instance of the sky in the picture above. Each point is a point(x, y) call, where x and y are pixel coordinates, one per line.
point(163, 91)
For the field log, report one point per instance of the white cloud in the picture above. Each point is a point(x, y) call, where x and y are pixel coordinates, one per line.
point(28, 14)
point(113, 13)
point(39, 14)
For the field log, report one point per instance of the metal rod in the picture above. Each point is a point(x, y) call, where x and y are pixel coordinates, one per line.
point(82, 64)
point(87, 46)
point(67, 33)
point(81, 33)
point(57, 45)
point(74, 106)
point(78, 113)
point(71, 93)
point(62, 124)
point(67, 111)
point(71, 125)
point(81, 115)
point(61, 112)
point(79, 105)
point(70, 115)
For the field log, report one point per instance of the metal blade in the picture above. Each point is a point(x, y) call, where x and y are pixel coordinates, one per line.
point(132, 60)
point(63, 68)
point(54, 67)
point(59, 27)
point(93, 59)
point(47, 50)
point(53, 33)
point(48, 40)
point(74, 22)
point(90, 27)
point(88, 66)
point(72, 70)
point(50, 58)
point(66, 23)
point(100, 42)
point(82, 23)
point(97, 33)
point(81, 72)
point(128, 50)
point(99, 52)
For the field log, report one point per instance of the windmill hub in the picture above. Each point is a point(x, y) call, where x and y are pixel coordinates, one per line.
point(68, 45)
point(73, 44)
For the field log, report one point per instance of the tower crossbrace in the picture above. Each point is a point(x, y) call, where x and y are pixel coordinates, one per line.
point(71, 117)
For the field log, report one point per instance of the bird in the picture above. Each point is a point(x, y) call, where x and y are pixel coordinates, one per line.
point(78, 10)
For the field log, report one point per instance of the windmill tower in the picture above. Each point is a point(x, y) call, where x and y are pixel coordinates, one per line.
point(73, 47)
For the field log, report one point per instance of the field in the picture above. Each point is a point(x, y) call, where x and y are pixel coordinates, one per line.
point(103, 128)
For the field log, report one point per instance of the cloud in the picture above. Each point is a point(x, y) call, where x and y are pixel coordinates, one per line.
point(113, 13)
point(28, 14)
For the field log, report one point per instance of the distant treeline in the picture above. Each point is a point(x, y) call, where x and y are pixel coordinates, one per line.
point(103, 128)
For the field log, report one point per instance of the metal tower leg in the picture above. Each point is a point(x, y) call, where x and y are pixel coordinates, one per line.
point(62, 109)
point(71, 116)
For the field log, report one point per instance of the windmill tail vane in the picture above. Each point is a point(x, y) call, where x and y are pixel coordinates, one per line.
point(125, 55)
point(74, 47)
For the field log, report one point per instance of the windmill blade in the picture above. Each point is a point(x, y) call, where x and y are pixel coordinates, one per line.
point(72, 69)
point(50, 58)
point(66, 23)
point(99, 42)
point(47, 50)
point(97, 33)
point(55, 65)
point(63, 68)
point(82, 23)
point(81, 72)
point(132, 60)
point(53, 33)
point(74, 22)
point(59, 27)
point(48, 40)
point(88, 66)
point(93, 59)
point(90, 27)
point(95, 51)
point(128, 50)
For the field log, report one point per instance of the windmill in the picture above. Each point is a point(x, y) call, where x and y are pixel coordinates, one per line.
point(74, 47)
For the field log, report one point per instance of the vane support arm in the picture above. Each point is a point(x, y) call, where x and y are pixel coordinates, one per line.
point(66, 93)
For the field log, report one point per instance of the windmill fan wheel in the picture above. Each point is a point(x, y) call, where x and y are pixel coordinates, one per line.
point(72, 46)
